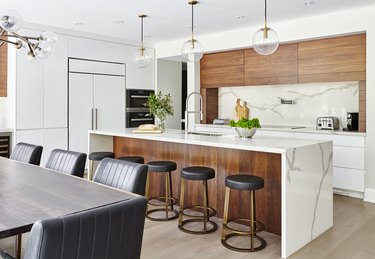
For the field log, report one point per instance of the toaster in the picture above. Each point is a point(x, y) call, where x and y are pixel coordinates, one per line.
point(328, 123)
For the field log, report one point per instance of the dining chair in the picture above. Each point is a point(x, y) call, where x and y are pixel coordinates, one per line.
point(122, 175)
point(27, 153)
point(113, 231)
point(69, 162)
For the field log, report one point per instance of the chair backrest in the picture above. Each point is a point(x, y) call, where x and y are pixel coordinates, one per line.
point(68, 162)
point(27, 153)
point(111, 232)
point(122, 174)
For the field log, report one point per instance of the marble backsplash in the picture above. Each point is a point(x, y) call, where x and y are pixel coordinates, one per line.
point(310, 102)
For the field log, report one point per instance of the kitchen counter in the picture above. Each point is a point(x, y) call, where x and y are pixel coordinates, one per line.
point(297, 199)
point(227, 128)
point(6, 130)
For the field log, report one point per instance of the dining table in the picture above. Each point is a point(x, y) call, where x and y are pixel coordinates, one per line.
point(29, 193)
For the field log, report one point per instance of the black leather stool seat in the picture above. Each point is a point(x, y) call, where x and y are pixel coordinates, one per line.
point(161, 166)
point(244, 182)
point(98, 156)
point(197, 173)
point(133, 159)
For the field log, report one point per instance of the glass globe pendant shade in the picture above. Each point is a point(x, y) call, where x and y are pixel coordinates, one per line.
point(265, 43)
point(192, 50)
point(11, 20)
point(32, 58)
point(48, 37)
point(142, 58)
point(43, 50)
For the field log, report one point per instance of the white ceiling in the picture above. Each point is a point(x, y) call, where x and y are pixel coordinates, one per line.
point(168, 19)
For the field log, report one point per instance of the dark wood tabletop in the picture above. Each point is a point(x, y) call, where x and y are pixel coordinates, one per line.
point(29, 193)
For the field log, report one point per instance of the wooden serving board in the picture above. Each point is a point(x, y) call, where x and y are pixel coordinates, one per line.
point(147, 131)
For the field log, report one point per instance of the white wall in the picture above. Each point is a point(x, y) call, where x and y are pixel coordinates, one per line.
point(338, 23)
point(169, 80)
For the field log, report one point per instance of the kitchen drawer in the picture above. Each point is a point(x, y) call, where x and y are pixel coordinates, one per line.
point(274, 133)
point(338, 140)
point(349, 157)
point(349, 179)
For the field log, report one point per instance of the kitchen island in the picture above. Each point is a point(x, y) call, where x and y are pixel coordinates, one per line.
point(297, 199)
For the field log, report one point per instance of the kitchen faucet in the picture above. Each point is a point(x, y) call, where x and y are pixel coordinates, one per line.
point(187, 112)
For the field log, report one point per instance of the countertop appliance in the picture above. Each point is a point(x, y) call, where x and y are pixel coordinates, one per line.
point(327, 123)
point(136, 112)
point(352, 121)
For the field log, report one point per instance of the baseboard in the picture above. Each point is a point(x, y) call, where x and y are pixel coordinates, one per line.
point(352, 194)
point(369, 195)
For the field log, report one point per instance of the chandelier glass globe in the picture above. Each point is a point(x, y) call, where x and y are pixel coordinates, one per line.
point(11, 20)
point(265, 43)
point(142, 57)
point(192, 50)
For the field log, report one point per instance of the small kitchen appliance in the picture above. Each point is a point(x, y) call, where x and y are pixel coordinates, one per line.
point(352, 121)
point(327, 123)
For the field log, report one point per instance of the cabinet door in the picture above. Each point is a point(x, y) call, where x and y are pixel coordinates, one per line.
point(3, 69)
point(56, 86)
point(54, 138)
point(29, 92)
point(138, 78)
point(34, 137)
point(109, 102)
point(80, 110)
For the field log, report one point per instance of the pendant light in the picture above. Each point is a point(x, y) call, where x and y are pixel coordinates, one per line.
point(265, 40)
point(143, 57)
point(192, 50)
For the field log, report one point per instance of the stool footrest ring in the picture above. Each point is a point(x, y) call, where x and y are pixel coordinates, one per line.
point(211, 211)
point(238, 249)
point(175, 214)
point(197, 232)
point(259, 226)
point(172, 201)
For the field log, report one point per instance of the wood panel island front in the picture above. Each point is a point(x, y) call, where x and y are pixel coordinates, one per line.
point(297, 199)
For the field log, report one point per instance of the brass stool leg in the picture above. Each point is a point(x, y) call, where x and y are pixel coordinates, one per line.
point(170, 188)
point(166, 195)
point(225, 216)
point(18, 246)
point(182, 199)
point(205, 205)
point(90, 173)
point(252, 220)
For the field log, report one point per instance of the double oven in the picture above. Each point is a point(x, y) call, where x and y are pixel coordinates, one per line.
point(136, 112)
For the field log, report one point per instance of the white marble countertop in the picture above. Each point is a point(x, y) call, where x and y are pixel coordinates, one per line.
point(6, 130)
point(257, 143)
point(292, 129)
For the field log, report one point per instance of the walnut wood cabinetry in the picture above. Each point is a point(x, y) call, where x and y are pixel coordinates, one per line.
point(278, 68)
point(332, 60)
point(222, 69)
point(3, 70)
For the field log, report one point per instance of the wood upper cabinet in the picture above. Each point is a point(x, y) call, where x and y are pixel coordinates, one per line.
point(222, 69)
point(3, 70)
point(332, 60)
point(278, 68)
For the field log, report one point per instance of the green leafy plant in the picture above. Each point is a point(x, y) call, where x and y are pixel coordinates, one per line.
point(160, 106)
point(245, 123)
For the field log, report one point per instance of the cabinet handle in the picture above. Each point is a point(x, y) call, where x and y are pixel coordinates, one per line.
point(96, 118)
point(142, 119)
point(139, 96)
point(92, 118)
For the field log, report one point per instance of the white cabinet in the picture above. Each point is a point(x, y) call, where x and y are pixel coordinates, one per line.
point(96, 101)
point(138, 78)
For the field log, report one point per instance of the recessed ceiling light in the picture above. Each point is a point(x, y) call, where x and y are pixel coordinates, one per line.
point(78, 23)
point(117, 21)
point(147, 36)
point(308, 3)
point(241, 17)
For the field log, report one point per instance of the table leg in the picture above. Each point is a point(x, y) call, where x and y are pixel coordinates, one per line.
point(18, 246)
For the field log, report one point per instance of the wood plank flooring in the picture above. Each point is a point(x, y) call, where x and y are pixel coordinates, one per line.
point(353, 236)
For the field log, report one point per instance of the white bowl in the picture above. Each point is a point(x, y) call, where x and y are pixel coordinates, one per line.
point(245, 133)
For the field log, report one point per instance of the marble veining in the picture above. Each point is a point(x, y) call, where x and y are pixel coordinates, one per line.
point(311, 101)
point(291, 165)
point(325, 170)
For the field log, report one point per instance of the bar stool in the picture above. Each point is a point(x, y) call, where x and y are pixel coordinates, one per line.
point(133, 159)
point(197, 173)
point(97, 156)
point(162, 167)
point(243, 182)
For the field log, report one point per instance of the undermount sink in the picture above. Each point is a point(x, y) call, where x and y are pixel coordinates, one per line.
point(282, 127)
point(206, 133)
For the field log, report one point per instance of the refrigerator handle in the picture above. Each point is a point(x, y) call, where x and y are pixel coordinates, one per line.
point(96, 118)
point(92, 118)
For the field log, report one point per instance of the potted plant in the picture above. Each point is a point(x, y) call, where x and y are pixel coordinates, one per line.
point(245, 128)
point(160, 106)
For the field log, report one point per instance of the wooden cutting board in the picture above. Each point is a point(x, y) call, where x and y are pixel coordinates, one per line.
point(147, 131)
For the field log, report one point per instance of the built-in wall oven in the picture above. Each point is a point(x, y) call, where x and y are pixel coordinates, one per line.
point(136, 112)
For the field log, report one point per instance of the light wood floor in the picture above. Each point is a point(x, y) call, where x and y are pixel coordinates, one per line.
point(353, 236)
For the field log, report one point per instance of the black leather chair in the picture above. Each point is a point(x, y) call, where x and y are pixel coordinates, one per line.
point(122, 174)
point(68, 162)
point(27, 153)
point(114, 231)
